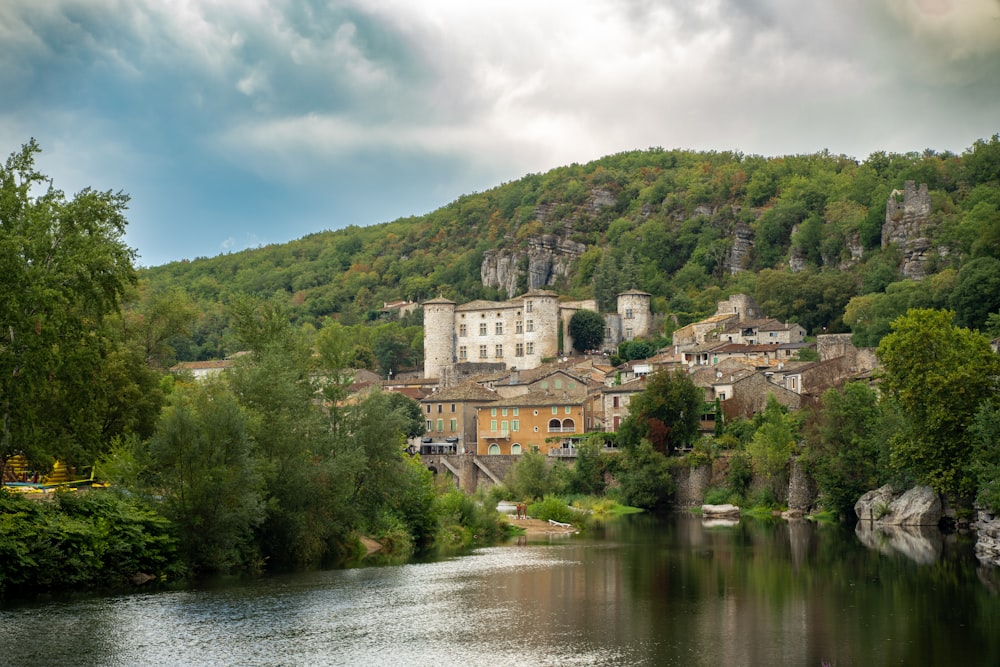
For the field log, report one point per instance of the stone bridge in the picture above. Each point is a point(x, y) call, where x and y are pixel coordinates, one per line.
point(471, 471)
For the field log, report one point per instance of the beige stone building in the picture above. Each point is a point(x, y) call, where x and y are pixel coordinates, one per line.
point(521, 332)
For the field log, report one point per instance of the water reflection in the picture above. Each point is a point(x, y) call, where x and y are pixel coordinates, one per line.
point(921, 544)
point(641, 591)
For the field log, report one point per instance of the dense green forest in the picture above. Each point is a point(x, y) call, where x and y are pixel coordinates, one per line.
point(664, 221)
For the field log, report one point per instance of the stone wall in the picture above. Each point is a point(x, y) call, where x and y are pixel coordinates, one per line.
point(987, 537)
point(906, 222)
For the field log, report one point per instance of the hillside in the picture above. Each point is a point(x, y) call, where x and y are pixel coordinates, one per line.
point(803, 234)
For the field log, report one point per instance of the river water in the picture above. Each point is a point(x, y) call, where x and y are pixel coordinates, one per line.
point(637, 591)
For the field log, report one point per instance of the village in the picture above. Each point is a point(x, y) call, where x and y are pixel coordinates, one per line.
point(519, 392)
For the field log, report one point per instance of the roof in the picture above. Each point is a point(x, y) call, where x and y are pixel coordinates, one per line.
point(467, 391)
point(539, 398)
point(439, 299)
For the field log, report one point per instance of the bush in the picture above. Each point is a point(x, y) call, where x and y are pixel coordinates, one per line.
point(553, 508)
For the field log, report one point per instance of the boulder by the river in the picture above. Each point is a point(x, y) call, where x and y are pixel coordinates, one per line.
point(919, 506)
point(987, 537)
point(726, 510)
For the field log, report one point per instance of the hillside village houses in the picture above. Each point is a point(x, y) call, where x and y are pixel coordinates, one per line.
point(491, 402)
point(493, 382)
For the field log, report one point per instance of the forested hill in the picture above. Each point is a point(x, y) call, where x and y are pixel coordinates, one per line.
point(804, 234)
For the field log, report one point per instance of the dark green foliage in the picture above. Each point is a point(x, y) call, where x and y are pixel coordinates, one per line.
point(772, 445)
point(977, 293)
point(410, 410)
point(587, 475)
point(666, 414)
point(81, 540)
point(846, 446)
point(587, 330)
point(936, 376)
point(635, 349)
point(644, 478)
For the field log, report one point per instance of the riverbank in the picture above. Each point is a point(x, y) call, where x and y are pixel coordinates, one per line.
point(539, 528)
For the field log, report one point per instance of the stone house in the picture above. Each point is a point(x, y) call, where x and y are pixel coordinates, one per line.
point(450, 415)
point(537, 421)
point(615, 402)
point(750, 396)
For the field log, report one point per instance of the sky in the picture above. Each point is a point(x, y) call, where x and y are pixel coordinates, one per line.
point(234, 124)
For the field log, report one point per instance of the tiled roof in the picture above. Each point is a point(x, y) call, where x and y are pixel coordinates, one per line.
point(467, 391)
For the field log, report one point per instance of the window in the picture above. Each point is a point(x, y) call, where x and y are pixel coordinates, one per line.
point(430, 425)
point(493, 412)
point(529, 348)
point(494, 449)
point(515, 448)
point(463, 352)
point(519, 350)
point(440, 425)
point(722, 396)
point(628, 314)
point(555, 409)
point(515, 425)
point(503, 412)
point(558, 383)
point(504, 427)
point(545, 384)
point(493, 426)
point(628, 333)
point(454, 425)
point(452, 407)
point(527, 308)
point(499, 328)
point(529, 326)
point(499, 351)
point(428, 408)
point(482, 351)
point(482, 328)
point(614, 402)
point(439, 408)
point(463, 330)
point(568, 410)
point(515, 411)
point(519, 327)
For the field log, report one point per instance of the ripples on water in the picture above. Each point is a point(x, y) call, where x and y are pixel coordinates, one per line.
point(642, 592)
point(452, 612)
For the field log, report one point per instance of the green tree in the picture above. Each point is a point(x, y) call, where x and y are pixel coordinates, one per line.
point(200, 462)
point(64, 267)
point(846, 451)
point(977, 293)
point(643, 476)
point(587, 329)
point(530, 477)
point(587, 476)
point(936, 376)
point(772, 445)
point(413, 418)
point(667, 413)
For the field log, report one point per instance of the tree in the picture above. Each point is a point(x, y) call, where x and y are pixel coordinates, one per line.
point(846, 452)
point(587, 330)
point(64, 266)
point(977, 293)
point(667, 413)
point(643, 476)
point(936, 376)
point(772, 445)
point(413, 424)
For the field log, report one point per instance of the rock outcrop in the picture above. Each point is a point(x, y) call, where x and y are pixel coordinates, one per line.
point(738, 257)
point(920, 506)
point(906, 223)
point(547, 258)
point(987, 537)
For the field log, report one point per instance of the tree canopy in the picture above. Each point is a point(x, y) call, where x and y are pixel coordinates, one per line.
point(666, 413)
point(587, 329)
point(64, 267)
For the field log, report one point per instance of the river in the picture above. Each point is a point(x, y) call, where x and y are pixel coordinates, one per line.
point(637, 591)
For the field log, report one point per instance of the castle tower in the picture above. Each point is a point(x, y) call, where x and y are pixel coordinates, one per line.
point(541, 326)
point(636, 318)
point(439, 336)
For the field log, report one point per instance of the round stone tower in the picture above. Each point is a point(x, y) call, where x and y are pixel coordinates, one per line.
point(633, 307)
point(439, 336)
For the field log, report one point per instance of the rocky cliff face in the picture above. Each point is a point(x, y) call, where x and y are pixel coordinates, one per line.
point(906, 223)
point(547, 258)
point(739, 252)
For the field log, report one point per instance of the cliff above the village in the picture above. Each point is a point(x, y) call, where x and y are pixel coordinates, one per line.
point(804, 234)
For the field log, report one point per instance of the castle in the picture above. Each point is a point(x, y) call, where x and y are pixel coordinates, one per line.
point(520, 332)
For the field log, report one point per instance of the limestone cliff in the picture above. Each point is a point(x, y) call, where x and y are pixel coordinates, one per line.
point(906, 224)
point(547, 258)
